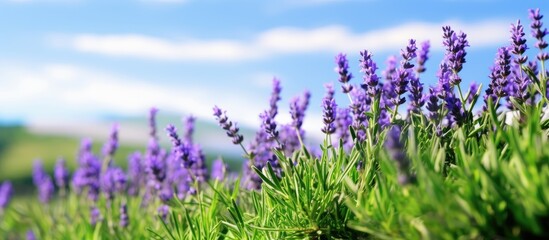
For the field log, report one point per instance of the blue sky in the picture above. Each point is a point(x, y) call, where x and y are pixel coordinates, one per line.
point(74, 60)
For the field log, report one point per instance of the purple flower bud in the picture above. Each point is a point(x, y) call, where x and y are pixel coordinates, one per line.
point(343, 121)
point(152, 122)
point(6, 192)
point(423, 56)
point(61, 174)
point(85, 149)
point(181, 149)
point(112, 144)
point(518, 43)
point(473, 89)
point(329, 115)
point(408, 54)
point(86, 177)
point(124, 219)
point(432, 104)
point(371, 80)
point(135, 173)
point(296, 113)
point(455, 111)
point(30, 235)
point(219, 169)
point(538, 33)
point(342, 68)
point(163, 212)
point(416, 95)
point(113, 181)
point(43, 182)
point(330, 92)
point(189, 129)
point(500, 72)
point(232, 130)
point(396, 150)
point(268, 125)
point(275, 97)
point(390, 69)
point(95, 216)
point(359, 107)
point(455, 52)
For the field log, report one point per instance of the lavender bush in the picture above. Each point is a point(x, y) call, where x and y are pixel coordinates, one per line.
point(445, 167)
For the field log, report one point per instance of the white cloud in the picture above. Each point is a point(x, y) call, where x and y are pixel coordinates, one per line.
point(66, 98)
point(282, 40)
point(58, 92)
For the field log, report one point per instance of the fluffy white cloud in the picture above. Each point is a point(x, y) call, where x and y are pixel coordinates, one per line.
point(282, 40)
point(64, 98)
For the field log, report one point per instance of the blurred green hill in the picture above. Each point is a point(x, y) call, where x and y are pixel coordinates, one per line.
point(19, 147)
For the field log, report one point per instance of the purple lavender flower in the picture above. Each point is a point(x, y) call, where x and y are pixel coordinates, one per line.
point(371, 80)
point(112, 144)
point(518, 43)
point(30, 235)
point(156, 167)
point(520, 83)
point(166, 193)
point(113, 181)
point(199, 169)
point(232, 130)
point(432, 104)
point(501, 71)
point(538, 33)
point(219, 169)
point(87, 175)
point(390, 69)
point(296, 113)
point(43, 182)
point(152, 122)
point(423, 56)
point(455, 52)
point(163, 212)
point(403, 74)
point(473, 89)
point(416, 95)
point(181, 149)
point(61, 174)
point(396, 150)
point(455, 111)
point(6, 192)
point(330, 91)
point(124, 218)
point(85, 148)
point(268, 125)
point(275, 97)
point(135, 172)
point(408, 54)
point(329, 115)
point(359, 108)
point(189, 129)
point(342, 69)
point(95, 216)
point(343, 121)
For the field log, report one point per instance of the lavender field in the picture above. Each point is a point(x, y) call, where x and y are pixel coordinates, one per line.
point(398, 159)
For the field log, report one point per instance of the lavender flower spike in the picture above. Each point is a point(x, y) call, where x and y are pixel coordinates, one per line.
point(371, 80)
point(112, 144)
point(432, 104)
point(6, 192)
point(395, 148)
point(232, 130)
point(423, 56)
point(152, 122)
point(189, 129)
point(181, 149)
point(275, 97)
point(455, 52)
point(518, 43)
point(538, 33)
point(416, 95)
point(219, 170)
point(61, 174)
point(43, 182)
point(329, 115)
point(124, 219)
point(342, 69)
